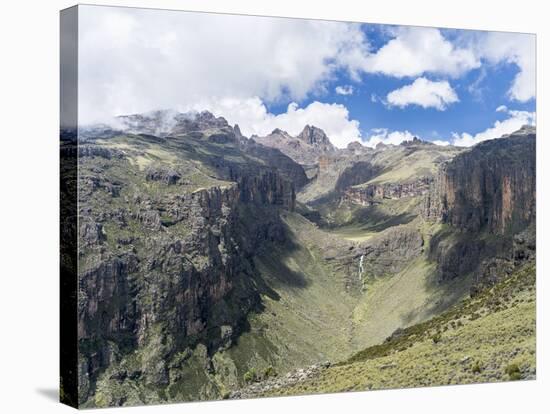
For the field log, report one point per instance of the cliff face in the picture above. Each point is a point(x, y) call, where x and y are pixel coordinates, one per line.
point(491, 187)
point(487, 196)
point(165, 261)
point(317, 138)
point(372, 193)
point(287, 168)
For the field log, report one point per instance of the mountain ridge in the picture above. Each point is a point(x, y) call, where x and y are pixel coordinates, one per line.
point(209, 260)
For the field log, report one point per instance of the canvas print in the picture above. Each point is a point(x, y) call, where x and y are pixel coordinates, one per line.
point(263, 206)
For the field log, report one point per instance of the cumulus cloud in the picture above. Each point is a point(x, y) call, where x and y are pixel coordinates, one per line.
point(515, 48)
point(414, 51)
point(425, 93)
point(387, 137)
point(441, 143)
point(344, 90)
point(514, 122)
point(502, 108)
point(135, 60)
point(253, 118)
point(418, 50)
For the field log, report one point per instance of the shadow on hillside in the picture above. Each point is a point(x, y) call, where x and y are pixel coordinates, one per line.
point(371, 219)
point(272, 246)
point(273, 262)
point(458, 258)
point(377, 220)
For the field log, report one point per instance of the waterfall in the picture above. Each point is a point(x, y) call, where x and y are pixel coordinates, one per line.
point(361, 269)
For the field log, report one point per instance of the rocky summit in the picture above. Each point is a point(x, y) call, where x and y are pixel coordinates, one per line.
point(212, 265)
point(305, 148)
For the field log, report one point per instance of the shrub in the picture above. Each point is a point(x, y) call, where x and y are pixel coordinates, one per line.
point(436, 338)
point(250, 375)
point(474, 316)
point(476, 369)
point(513, 372)
point(270, 372)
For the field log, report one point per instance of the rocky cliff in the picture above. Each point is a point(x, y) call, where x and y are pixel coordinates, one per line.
point(372, 193)
point(165, 258)
point(491, 187)
point(486, 197)
point(305, 148)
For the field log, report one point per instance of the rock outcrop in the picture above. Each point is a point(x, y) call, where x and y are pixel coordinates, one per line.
point(391, 251)
point(317, 138)
point(370, 194)
point(260, 387)
point(487, 196)
point(166, 268)
point(286, 166)
point(305, 148)
point(491, 187)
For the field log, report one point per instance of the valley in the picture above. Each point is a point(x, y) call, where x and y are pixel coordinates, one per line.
point(213, 265)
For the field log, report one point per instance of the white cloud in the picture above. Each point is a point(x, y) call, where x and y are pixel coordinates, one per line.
point(515, 121)
point(386, 137)
point(502, 108)
point(136, 60)
point(415, 51)
point(344, 90)
point(516, 48)
point(418, 50)
point(253, 118)
point(441, 143)
point(425, 93)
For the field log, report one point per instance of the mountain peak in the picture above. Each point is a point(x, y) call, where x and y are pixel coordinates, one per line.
point(415, 141)
point(278, 131)
point(524, 130)
point(315, 136)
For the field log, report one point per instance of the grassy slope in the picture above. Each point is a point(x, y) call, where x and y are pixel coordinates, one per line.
point(411, 296)
point(401, 164)
point(305, 325)
point(488, 338)
point(358, 223)
point(301, 323)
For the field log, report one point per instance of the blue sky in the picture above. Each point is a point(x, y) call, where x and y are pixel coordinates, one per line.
point(359, 82)
point(480, 91)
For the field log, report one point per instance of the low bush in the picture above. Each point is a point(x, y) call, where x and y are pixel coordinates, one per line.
point(513, 372)
point(250, 375)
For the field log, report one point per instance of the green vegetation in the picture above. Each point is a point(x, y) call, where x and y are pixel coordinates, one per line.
point(476, 369)
point(513, 372)
point(359, 223)
point(250, 375)
point(473, 351)
point(404, 163)
point(284, 289)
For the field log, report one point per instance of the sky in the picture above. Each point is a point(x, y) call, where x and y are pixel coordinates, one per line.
point(358, 82)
